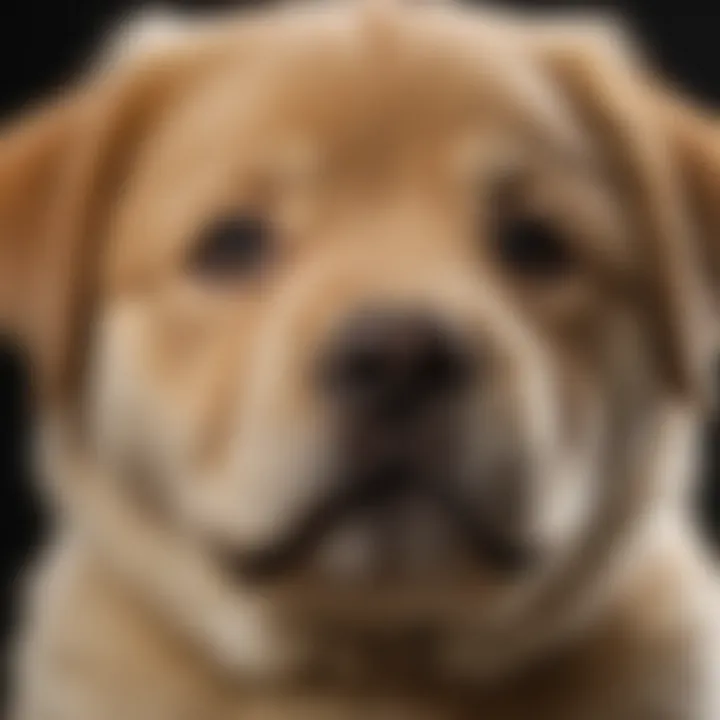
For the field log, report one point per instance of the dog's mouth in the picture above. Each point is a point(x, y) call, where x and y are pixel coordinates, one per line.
point(377, 499)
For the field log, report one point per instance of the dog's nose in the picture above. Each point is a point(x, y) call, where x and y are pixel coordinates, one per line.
point(394, 364)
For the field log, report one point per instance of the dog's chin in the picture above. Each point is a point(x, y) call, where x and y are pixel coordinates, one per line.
point(386, 544)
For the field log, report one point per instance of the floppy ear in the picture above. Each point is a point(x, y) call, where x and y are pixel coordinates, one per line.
point(61, 169)
point(43, 170)
point(695, 136)
point(658, 151)
point(54, 170)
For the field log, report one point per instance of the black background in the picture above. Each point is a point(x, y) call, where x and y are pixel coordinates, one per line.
point(43, 42)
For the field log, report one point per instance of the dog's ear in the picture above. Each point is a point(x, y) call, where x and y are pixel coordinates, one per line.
point(694, 133)
point(62, 166)
point(55, 175)
point(664, 157)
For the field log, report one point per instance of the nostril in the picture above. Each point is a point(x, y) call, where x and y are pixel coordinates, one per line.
point(359, 376)
point(363, 369)
point(442, 366)
point(393, 362)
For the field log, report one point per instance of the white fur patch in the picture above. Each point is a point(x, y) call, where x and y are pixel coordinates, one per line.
point(149, 31)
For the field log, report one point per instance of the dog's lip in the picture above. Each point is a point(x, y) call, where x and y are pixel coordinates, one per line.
point(331, 510)
point(487, 546)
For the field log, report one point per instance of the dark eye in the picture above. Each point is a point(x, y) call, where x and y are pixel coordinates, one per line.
point(530, 247)
point(231, 247)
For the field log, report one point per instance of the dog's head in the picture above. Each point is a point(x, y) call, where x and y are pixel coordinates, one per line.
point(386, 305)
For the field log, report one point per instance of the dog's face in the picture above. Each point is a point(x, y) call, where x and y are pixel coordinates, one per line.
point(353, 326)
point(385, 298)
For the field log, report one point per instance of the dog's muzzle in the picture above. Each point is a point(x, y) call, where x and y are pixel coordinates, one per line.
point(395, 381)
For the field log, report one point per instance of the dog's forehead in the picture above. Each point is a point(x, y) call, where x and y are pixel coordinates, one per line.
point(459, 86)
point(429, 70)
point(342, 70)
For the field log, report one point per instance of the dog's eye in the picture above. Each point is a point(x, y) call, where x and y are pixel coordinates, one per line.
point(530, 247)
point(231, 247)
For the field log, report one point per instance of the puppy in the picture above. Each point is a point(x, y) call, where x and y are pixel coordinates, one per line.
point(370, 345)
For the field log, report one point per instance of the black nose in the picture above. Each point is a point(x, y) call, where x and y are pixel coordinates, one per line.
point(392, 364)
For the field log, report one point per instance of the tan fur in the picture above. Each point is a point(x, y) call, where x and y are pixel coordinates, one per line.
point(175, 416)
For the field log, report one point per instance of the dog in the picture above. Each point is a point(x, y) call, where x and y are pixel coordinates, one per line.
point(371, 343)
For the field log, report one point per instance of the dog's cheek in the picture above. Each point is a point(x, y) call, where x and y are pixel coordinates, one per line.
point(563, 479)
point(125, 422)
point(148, 405)
point(615, 371)
point(572, 480)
